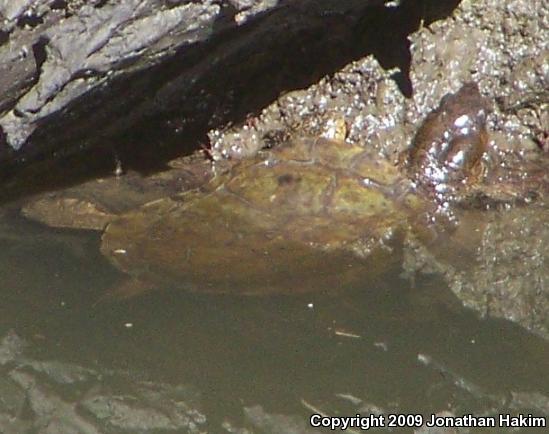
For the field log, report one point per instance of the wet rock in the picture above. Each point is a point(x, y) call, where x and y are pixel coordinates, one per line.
point(150, 407)
point(533, 401)
point(511, 277)
point(511, 68)
point(275, 423)
point(12, 405)
point(54, 397)
point(507, 276)
point(50, 412)
point(11, 347)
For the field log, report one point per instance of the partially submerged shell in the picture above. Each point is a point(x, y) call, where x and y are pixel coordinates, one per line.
point(303, 219)
point(310, 215)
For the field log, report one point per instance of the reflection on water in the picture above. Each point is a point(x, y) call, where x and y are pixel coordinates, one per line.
point(265, 363)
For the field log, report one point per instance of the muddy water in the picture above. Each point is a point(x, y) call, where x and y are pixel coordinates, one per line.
point(175, 362)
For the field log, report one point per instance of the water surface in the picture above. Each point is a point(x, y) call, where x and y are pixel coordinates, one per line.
point(261, 363)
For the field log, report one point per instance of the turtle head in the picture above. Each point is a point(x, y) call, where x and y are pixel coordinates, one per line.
point(447, 150)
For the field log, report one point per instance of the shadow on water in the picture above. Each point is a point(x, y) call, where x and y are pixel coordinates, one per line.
point(152, 115)
point(414, 350)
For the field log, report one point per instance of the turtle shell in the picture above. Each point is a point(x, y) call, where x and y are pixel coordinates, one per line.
point(311, 215)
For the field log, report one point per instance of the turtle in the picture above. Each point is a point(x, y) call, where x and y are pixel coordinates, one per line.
point(315, 214)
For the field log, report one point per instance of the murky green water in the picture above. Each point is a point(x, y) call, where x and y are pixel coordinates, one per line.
point(265, 364)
